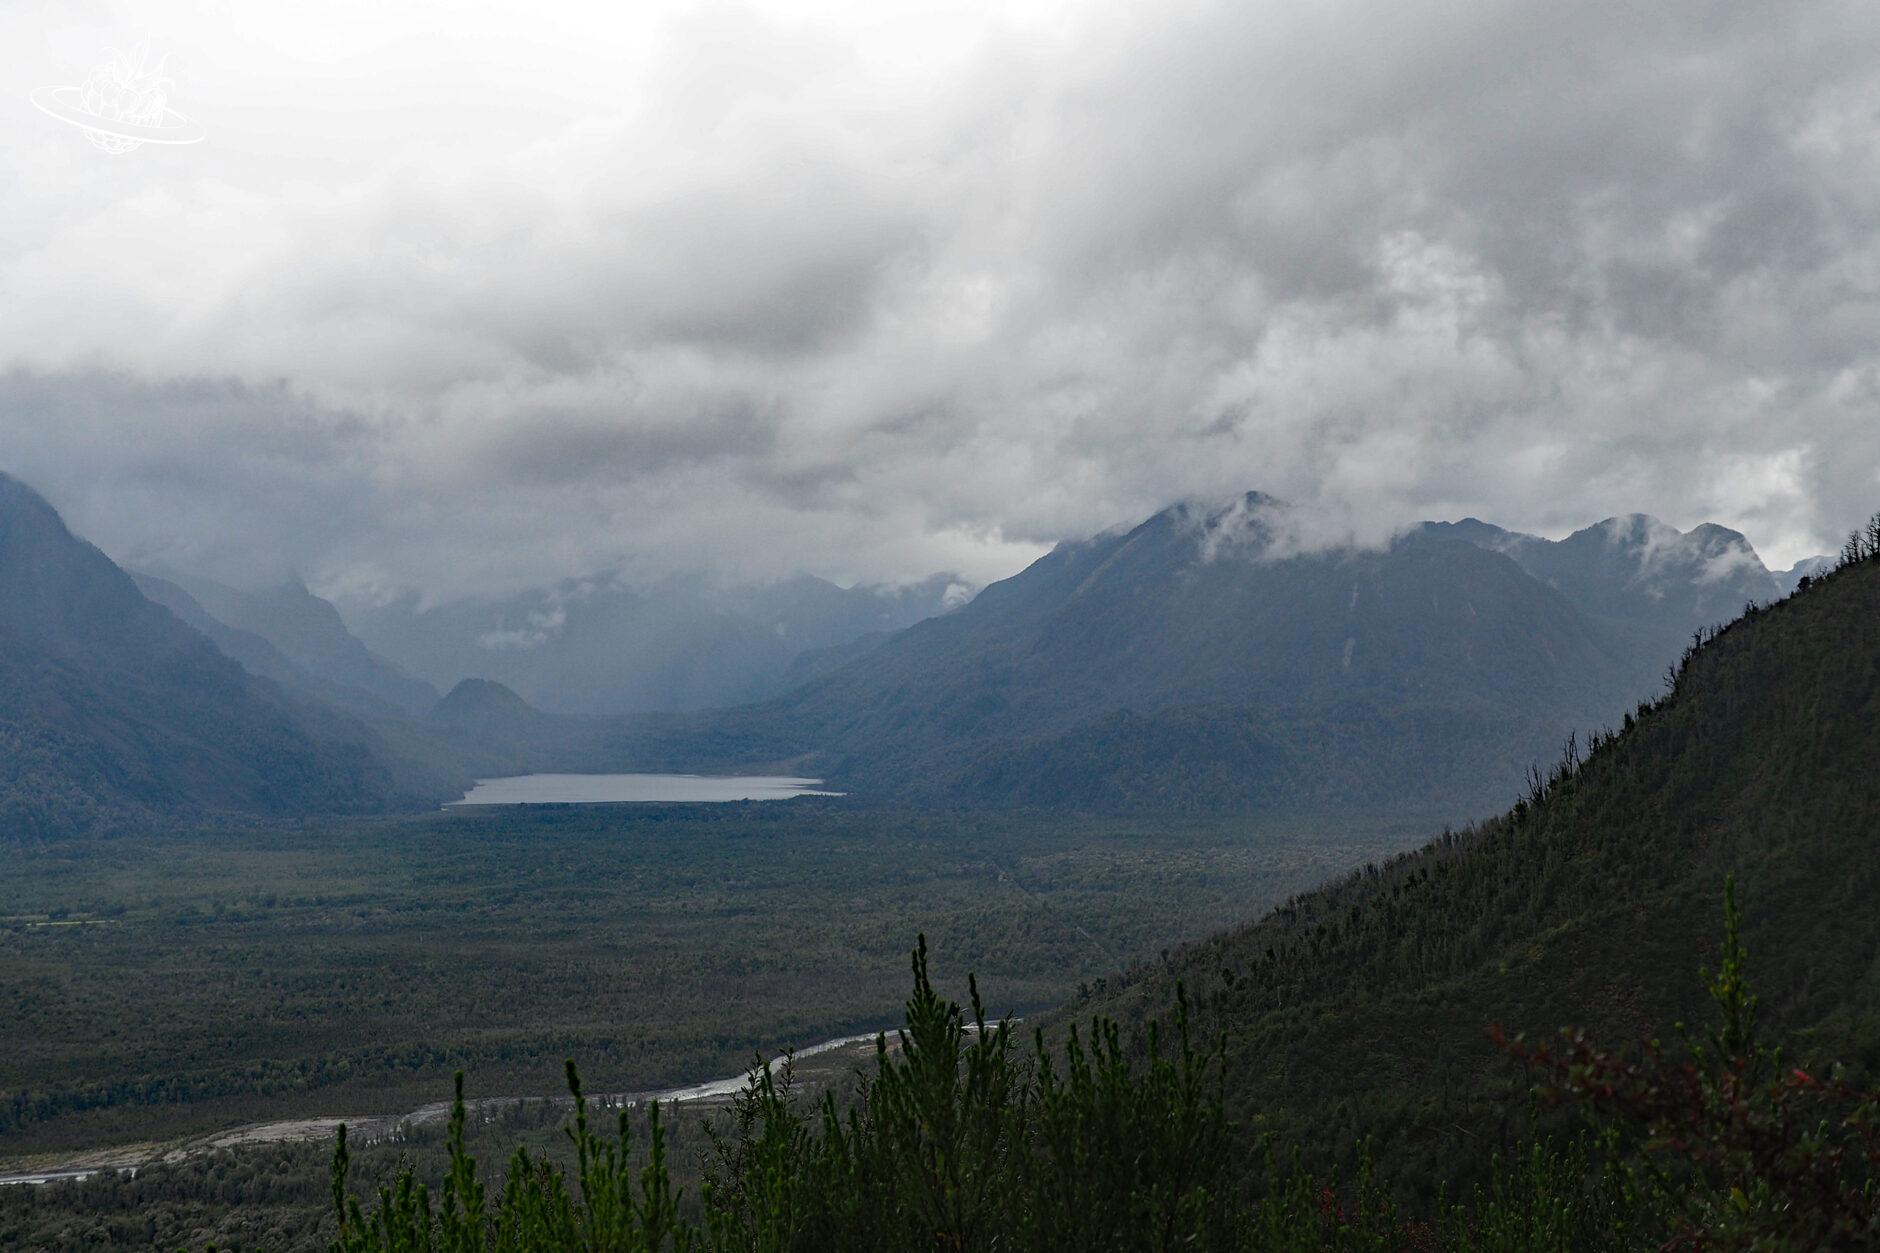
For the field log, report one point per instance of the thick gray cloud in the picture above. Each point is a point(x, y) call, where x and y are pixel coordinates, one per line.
point(873, 290)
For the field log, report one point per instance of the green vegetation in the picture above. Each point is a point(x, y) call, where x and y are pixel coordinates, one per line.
point(958, 1141)
point(1360, 1010)
point(165, 987)
point(1730, 1148)
point(961, 1139)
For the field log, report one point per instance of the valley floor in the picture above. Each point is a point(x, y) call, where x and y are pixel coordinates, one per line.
point(166, 988)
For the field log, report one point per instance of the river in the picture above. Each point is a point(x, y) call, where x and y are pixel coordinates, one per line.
point(371, 1128)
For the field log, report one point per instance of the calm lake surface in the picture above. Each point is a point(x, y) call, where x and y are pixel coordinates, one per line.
point(594, 789)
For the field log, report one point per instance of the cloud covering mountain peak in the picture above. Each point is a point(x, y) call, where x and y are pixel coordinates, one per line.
point(874, 293)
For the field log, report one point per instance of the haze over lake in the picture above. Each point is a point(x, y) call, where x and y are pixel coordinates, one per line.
point(598, 789)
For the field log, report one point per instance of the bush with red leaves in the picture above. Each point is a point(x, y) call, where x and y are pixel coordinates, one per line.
point(1744, 1151)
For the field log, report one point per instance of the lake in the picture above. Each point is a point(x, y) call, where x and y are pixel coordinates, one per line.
point(601, 789)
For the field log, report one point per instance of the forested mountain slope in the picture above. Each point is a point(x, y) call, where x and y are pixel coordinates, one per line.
point(1364, 1008)
point(114, 711)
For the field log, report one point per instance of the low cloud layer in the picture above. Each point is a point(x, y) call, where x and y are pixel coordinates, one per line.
point(877, 290)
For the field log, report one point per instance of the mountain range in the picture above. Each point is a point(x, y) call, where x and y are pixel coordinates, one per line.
point(130, 698)
point(1198, 660)
point(1645, 585)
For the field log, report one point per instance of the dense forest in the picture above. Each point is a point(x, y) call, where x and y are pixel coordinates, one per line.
point(351, 967)
point(962, 1135)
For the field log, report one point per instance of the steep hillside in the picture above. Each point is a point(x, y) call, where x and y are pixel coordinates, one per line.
point(1363, 1007)
point(113, 711)
point(256, 655)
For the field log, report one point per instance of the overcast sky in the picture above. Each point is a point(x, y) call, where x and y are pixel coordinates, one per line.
point(478, 295)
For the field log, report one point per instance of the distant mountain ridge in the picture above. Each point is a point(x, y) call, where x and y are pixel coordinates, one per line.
point(1637, 577)
point(309, 632)
point(114, 711)
point(599, 646)
point(1201, 659)
point(1197, 659)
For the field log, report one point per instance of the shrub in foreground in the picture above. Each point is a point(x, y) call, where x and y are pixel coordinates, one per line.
point(962, 1140)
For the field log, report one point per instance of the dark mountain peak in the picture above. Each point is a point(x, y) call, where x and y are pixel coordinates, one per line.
point(1190, 510)
point(1481, 534)
point(1627, 528)
point(803, 581)
point(1642, 530)
point(1237, 525)
point(1715, 533)
point(1205, 512)
point(1727, 551)
point(1707, 554)
point(1627, 533)
point(476, 702)
point(18, 502)
point(292, 596)
point(1255, 499)
point(1644, 584)
point(293, 590)
point(56, 590)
